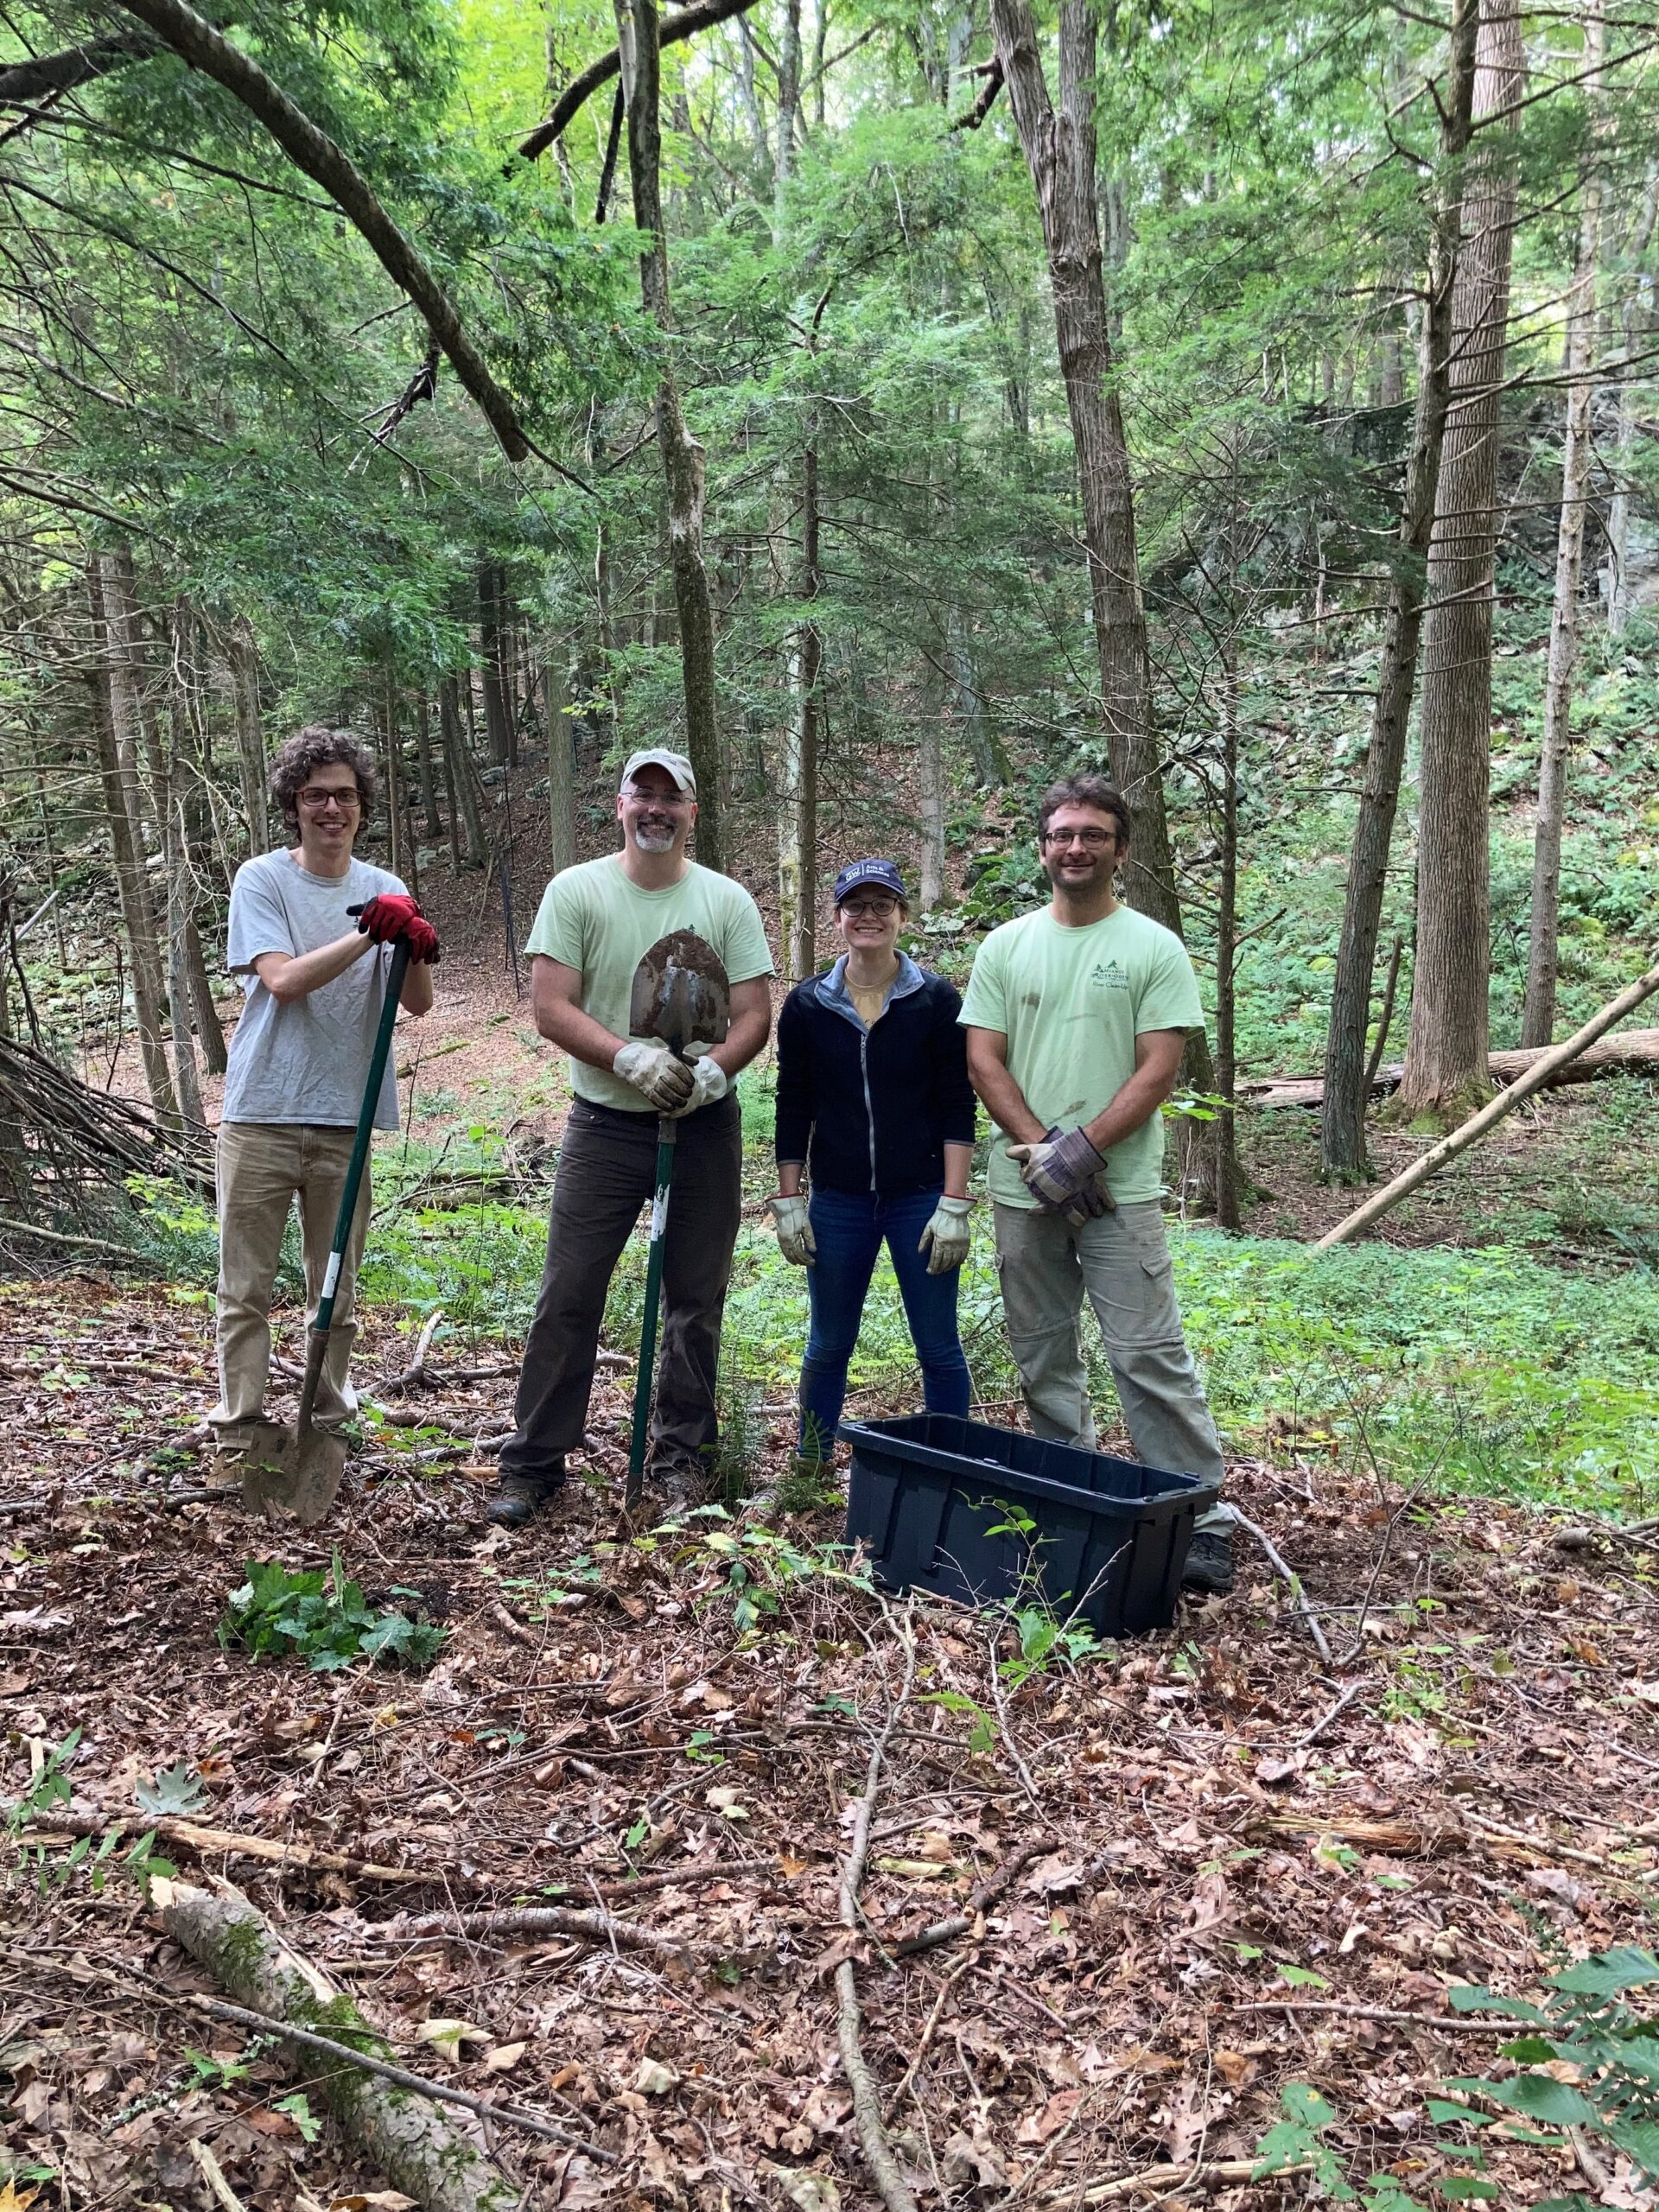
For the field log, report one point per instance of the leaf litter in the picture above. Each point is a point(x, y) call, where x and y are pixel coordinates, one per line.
point(1256, 1874)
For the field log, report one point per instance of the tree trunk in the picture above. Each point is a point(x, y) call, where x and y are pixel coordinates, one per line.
point(428, 784)
point(121, 808)
point(789, 109)
point(682, 456)
point(991, 768)
point(561, 769)
point(1342, 1111)
point(497, 694)
point(931, 787)
point(1058, 145)
point(1637, 320)
point(463, 793)
point(1226, 1168)
point(397, 857)
point(209, 1029)
point(243, 659)
point(808, 696)
point(1445, 1051)
point(1538, 1016)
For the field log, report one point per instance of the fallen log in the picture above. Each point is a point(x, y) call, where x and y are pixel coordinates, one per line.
point(1631, 1052)
point(408, 2137)
point(1549, 1062)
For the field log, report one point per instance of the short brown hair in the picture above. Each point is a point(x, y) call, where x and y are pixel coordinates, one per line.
point(1085, 789)
point(318, 746)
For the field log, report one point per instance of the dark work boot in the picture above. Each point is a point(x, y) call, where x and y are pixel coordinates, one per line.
point(519, 1498)
point(1209, 1569)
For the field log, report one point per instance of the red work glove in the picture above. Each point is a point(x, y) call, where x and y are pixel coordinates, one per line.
point(393, 915)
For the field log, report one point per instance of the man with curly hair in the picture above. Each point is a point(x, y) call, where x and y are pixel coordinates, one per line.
point(308, 927)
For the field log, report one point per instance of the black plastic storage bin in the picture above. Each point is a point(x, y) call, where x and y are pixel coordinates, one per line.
point(1109, 1539)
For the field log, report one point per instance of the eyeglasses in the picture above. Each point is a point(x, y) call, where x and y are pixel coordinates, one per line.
point(877, 909)
point(644, 798)
point(315, 797)
point(1094, 839)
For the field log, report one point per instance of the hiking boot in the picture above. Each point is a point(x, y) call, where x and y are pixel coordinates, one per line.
point(678, 1482)
point(1209, 1569)
point(519, 1498)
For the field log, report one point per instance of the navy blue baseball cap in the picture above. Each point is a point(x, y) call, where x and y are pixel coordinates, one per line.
point(883, 874)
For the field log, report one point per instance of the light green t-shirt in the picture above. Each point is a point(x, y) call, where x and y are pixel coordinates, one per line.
point(1071, 1003)
point(591, 918)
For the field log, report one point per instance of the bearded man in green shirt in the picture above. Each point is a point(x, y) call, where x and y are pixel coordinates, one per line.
point(1077, 1018)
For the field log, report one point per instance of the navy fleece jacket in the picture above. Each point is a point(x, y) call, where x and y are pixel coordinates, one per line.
point(872, 1110)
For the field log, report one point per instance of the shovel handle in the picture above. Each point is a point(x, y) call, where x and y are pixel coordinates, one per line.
point(668, 1132)
point(354, 1184)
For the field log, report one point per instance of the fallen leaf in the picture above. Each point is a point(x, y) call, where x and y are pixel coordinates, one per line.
point(1038, 2126)
point(807, 2190)
point(654, 2079)
point(504, 2058)
point(447, 2036)
point(1235, 2067)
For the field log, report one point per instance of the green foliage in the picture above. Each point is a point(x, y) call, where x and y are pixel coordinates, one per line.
point(176, 1789)
point(757, 1569)
point(1297, 2143)
point(1614, 2050)
point(320, 1616)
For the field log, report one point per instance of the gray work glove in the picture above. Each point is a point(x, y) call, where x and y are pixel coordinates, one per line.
point(949, 1236)
point(708, 1083)
point(1066, 1175)
point(655, 1072)
point(794, 1238)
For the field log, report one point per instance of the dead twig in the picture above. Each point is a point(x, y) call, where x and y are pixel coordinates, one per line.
point(866, 2101)
point(594, 1927)
point(984, 1893)
point(1450, 2023)
point(415, 1372)
point(1293, 1581)
point(1166, 2179)
point(1313, 1734)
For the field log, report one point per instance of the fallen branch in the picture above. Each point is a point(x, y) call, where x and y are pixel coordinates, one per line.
point(415, 1372)
point(1166, 2179)
point(193, 1837)
point(1399, 1839)
point(540, 1919)
point(986, 1892)
point(866, 2101)
point(1452, 2023)
point(1632, 1051)
point(1295, 1581)
point(971, 117)
point(1313, 1734)
point(1548, 1065)
point(417, 2149)
point(1545, 1848)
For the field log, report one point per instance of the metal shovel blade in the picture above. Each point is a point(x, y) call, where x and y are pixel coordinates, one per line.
point(292, 1472)
point(680, 994)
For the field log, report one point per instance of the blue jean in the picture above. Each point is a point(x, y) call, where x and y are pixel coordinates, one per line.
point(848, 1227)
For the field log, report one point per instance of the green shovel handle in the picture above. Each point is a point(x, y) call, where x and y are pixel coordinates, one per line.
point(399, 969)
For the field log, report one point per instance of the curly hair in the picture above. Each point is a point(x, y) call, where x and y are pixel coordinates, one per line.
point(318, 746)
point(1085, 789)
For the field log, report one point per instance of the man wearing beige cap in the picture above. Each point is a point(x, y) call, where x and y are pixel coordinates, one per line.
point(596, 922)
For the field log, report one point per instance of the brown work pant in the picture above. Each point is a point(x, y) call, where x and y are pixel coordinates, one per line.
point(608, 1172)
point(263, 1167)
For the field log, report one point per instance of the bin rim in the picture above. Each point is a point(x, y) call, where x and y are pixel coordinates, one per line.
point(1192, 1488)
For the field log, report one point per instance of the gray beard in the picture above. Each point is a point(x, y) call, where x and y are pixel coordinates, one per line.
point(653, 840)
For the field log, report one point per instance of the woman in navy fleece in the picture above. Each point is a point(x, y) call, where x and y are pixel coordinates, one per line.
point(873, 1093)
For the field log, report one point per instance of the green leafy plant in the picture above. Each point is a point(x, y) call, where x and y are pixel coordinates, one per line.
point(757, 1568)
point(176, 1789)
point(1584, 2024)
point(49, 1788)
point(320, 1616)
point(1296, 2144)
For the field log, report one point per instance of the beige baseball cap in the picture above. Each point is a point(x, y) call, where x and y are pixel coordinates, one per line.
point(676, 763)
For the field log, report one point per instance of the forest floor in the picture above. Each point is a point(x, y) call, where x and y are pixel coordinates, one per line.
point(1235, 1866)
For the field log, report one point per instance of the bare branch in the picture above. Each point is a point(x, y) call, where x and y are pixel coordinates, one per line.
point(583, 86)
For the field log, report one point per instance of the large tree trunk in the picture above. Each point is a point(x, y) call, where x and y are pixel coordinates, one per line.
point(1226, 1163)
point(121, 808)
point(1445, 1052)
point(1059, 150)
point(457, 768)
point(682, 456)
point(243, 659)
point(809, 687)
point(1343, 1114)
point(1538, 1016)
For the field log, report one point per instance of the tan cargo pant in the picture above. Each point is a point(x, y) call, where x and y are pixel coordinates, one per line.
point(263, 1167)
point(1122, 1262)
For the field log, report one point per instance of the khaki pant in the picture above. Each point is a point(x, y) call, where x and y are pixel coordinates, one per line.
point(263, 1167)
point(1122, 1262)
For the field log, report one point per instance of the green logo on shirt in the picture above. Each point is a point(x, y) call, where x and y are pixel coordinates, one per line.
point(1110, 975)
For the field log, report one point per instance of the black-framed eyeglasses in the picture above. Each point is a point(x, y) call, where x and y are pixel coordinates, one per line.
point(878, 908)
point(1094, 839)
point(644, 798)
point(315, 797)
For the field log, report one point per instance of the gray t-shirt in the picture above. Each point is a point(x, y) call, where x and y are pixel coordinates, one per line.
point(306, 1062)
